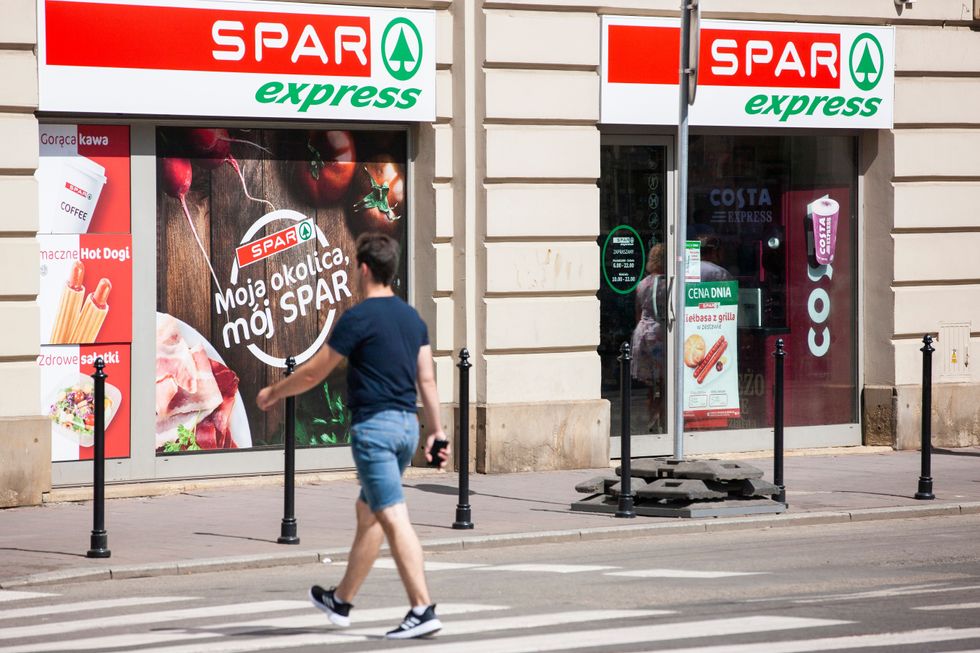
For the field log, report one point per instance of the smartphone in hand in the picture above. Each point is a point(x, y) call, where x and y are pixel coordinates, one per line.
point(437, 447)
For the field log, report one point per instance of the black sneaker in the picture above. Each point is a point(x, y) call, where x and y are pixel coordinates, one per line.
point(336, 610)
point(417, 626)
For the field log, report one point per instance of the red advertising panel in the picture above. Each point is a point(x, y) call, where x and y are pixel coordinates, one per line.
point(83, 179)
point(86, 289)
point(821, 347)
point(67, 399)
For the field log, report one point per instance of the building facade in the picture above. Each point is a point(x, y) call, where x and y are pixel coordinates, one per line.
point(524, 155)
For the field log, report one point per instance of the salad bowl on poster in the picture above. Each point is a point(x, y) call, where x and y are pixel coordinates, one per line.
point(73, 402)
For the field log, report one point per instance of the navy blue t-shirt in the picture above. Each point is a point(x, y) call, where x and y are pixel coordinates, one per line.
point(381, 338)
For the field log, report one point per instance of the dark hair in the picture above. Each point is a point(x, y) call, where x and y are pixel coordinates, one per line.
point(380, 253)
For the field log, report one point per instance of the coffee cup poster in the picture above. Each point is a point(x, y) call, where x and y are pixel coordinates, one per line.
point(710, 350)
point(255, 263)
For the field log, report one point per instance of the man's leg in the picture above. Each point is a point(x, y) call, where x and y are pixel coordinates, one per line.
point(363, 553)
point(407, 551)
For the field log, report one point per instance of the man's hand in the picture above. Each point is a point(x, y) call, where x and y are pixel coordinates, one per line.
point(266, 398)
point(443, 454)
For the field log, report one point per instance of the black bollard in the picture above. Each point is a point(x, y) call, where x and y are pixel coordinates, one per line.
point(464, 518)
point(777, 449)
point(925, 479)
point(287, 533)
point(99, 542)
point(625, 509)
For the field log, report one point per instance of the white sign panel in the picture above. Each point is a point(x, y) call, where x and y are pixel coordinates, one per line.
point(750, 74)
point(250, 59)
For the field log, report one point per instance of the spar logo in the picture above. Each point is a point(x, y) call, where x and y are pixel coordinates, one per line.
point(866, 61)
point(401, 49)
point(280, 241)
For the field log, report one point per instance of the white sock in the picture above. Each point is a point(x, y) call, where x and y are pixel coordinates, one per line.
point(419, 610)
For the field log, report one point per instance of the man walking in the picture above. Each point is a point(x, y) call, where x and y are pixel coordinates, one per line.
point(386, 344)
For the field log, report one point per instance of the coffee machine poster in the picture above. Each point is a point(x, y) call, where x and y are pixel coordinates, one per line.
point(256, 232)
point(83, 179)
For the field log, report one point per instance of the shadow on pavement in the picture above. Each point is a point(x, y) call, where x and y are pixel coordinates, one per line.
point(950, 452)
point(237, 537)
point(59, 553)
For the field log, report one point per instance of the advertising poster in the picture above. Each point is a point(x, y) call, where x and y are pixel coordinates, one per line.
point(83, 179)
point(67, 399)
point(255, 250)
point(86, 288)
point(822, 343)
point(710, 351)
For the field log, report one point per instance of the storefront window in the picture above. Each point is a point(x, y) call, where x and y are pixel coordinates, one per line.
point(778, 215)
point(255, 262)
point(633, 217)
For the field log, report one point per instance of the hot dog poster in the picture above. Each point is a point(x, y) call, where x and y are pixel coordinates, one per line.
point(710, 350)
point(86, 288)
point(256, 262)
point(84, 179)
point(67, 399)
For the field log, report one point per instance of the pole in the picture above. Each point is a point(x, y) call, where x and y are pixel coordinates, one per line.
point(680, 229)
point(925, 479)
point(778, 399)
point(99, 541)
point(464, 518)
point(287, 531)
point(625, 509)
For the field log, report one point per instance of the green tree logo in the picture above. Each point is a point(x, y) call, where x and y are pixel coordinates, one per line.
point(866, 61)
point(305, 231)
point(401, 49)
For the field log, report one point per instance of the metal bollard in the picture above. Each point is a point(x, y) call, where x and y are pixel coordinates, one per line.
point(99, 542)
point(925, 478)
point(625, 509)
point(778, 400)
point(287, 533)
point(464, 518)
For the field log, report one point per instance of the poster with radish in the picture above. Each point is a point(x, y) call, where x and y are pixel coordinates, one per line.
point(68, 401)
point(86, 289)
point(255, 263)
point(83, 179)
point(711, 350)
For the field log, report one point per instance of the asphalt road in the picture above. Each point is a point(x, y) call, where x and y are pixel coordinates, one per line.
point(903, 586)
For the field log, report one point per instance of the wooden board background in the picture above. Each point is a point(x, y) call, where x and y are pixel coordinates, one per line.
point(221, 214)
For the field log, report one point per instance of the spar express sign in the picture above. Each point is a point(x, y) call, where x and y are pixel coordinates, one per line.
point(750, 74)
point(250, 59)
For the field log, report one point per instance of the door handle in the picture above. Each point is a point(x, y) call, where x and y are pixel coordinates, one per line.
point(671, 313)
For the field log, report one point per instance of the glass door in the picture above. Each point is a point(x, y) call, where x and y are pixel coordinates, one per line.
point(636, 192)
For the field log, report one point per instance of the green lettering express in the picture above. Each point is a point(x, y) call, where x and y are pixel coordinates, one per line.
point(787, 106)
point(306, 96)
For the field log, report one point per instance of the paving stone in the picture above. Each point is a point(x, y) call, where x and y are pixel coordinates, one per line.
point(679, 488)
point(635, 485)
point(716, 470)
point(596, 484)
point(648, 468)
point(756, 487)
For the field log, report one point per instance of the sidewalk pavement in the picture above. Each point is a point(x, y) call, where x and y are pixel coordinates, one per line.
point(208, 528)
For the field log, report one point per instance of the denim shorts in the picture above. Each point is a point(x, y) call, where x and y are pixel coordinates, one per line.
point(382, 446)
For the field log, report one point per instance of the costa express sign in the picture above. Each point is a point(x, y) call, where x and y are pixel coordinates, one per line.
point(750, 74)
point(256, 59)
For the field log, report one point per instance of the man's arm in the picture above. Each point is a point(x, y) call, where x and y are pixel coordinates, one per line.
point(430, 403)
point(305, 377)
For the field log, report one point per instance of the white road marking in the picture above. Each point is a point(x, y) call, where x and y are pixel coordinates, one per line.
point(11, 595)
point(620, 636)
point(501, 624)
point(179, 636)
point(84, 606)
point(682, 573)
point(887, 593)
point(389, 563)
point(951, 606)
point(545, 568)
point(839, 643)
point(203, 612)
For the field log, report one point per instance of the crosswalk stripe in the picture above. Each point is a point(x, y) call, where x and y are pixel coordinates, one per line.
point(951, 606)
point(620, 636)
point(430, 565)
point(682, 573)
point(11, 595)
point(926, 636)
point(887, 593)
point(501, 624)
point(83, 606)
point(62, 627)
point(184, 635)
point(546, 568)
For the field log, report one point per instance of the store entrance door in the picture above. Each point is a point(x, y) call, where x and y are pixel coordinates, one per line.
point(636, 204)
